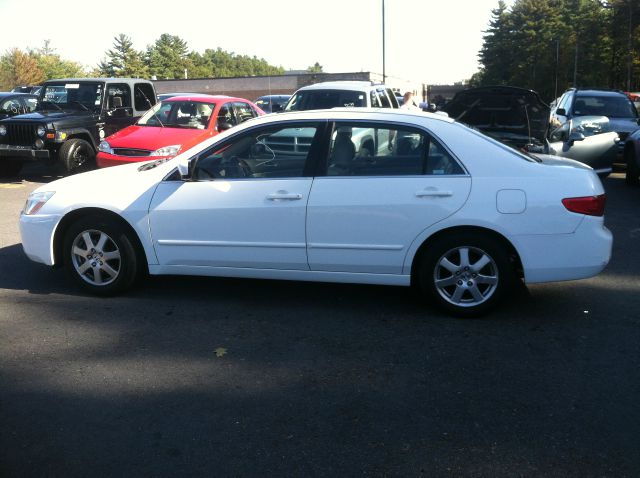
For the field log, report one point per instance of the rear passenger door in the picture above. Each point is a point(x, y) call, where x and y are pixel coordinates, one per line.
point(381, 186)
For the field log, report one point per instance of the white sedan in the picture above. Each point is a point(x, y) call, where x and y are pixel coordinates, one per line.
point(343, 195)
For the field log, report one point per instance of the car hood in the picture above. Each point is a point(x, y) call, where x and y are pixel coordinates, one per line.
point(41, 116)
point(152, 137)
point(509, 114)
point(118, 189)
point(623, 125)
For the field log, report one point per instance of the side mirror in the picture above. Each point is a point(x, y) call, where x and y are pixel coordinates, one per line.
point(224, 125)
point(184, 168)
point(561, 112)
point(575, 136)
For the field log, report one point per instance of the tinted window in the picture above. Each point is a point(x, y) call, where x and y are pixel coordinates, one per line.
point(374, 150)
point(143, 96)
point(274, 152)
point(384, 100)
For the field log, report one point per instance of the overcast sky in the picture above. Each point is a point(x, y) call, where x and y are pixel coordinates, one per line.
point(432, 41)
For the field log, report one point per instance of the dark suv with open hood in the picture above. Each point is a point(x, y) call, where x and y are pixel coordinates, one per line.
point(72, 117)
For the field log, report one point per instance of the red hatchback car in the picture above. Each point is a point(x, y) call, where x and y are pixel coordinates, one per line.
point(173, 126)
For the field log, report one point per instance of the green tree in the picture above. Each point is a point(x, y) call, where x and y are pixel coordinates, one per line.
point(315, 68)
point(168, 57)
point(123, 60)
point(497, 55)
point(53, 66)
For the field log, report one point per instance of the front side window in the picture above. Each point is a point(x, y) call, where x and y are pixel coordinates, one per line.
point(384, 100)
point(31, 104)
point(179, 114)
point(118, 96)
point(378, 150)
point(271, 152)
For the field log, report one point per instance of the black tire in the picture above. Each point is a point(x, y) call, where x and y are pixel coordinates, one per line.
point(92, 269)
point(10, 168)
point(77, 156)
point(632, 176)
point(480, 287)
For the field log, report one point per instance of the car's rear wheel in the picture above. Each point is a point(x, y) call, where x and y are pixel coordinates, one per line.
point(10, 167)
point(465, 274)
point(632, 176)
point(100, 255)
point(76, 156)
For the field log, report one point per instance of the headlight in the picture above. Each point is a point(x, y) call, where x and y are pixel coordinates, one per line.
point(41, 131)
point(3, 130)
point(167, 150)
point(35, 201)
point(105, 147)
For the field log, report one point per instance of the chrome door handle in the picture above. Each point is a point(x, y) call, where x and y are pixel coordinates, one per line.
point(434, 193)
point(283, 195)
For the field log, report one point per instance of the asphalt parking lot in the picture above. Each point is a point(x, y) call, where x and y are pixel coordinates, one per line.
point(223, 377)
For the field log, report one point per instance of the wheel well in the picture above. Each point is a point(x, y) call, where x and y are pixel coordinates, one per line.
point(85, 136)
point(73, 216)
point(514, 257)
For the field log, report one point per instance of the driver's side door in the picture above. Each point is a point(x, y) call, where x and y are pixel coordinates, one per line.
point(245, 206)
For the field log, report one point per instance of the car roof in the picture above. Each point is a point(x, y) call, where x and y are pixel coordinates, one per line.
point(202, 98)
point(353, 113)
point(96, 80)
point(343, 85)
point(595, 92)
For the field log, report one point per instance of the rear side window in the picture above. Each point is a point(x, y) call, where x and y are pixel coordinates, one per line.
point(143, 96)
point(359, 149)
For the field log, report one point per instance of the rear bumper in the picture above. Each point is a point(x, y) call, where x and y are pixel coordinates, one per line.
point(559, 257)
point(23, 152)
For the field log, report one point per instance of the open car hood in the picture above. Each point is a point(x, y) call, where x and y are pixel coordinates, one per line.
point(515, 116)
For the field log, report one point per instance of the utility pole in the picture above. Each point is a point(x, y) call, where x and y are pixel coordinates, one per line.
point(384, 66)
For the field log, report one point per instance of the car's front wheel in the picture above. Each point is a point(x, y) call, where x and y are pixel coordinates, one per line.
point(465, 274)
point(100, 255)
point(77, 155)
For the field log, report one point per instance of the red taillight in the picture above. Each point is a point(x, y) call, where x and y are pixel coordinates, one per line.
point(589, 205)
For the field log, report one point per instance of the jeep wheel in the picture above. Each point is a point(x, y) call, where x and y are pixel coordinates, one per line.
point(9, 168)
point(77, 156)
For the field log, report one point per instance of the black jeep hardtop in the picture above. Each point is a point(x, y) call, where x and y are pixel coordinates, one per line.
point(72, 117)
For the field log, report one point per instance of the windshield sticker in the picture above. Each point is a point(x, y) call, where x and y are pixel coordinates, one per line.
point(72, 86)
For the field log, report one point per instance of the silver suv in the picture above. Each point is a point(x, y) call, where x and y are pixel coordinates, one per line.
point(332, 94)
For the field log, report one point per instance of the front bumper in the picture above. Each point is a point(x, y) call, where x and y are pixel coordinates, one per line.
point(23, 152)
point(37, 233)
point(106, 160)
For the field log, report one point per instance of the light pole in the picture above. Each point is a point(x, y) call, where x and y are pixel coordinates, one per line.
point(384, 68)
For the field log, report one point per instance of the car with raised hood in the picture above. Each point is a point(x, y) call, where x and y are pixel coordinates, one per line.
point(438, 205)
point(71, 118)
point(174, 125)
point(518, 117)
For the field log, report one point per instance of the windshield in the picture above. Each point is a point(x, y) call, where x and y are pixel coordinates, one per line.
point(323, 99)
point(79, 96)
point(179, 114)
point(611, 106)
